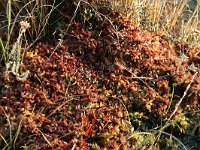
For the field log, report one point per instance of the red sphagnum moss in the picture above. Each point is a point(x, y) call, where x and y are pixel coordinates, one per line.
point(79, 95)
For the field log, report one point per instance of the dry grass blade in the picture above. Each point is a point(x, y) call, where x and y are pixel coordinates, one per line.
point(10, 129)
point(17, 133)
point(181, 143)
point(45, 138)
point(4, 140)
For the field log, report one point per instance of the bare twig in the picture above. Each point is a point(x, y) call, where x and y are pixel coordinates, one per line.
point(184, 94)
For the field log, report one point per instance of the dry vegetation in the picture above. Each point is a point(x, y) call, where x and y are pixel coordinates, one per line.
point(99, 75)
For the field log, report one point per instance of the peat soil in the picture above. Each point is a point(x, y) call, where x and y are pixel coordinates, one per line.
point(86, 92)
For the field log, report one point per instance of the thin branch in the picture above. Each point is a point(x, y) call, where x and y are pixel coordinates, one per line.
point(184, 94)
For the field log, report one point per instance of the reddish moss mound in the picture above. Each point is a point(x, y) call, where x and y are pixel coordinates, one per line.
point(79, 94)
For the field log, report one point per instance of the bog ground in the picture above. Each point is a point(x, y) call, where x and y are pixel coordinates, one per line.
point(102, 84)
